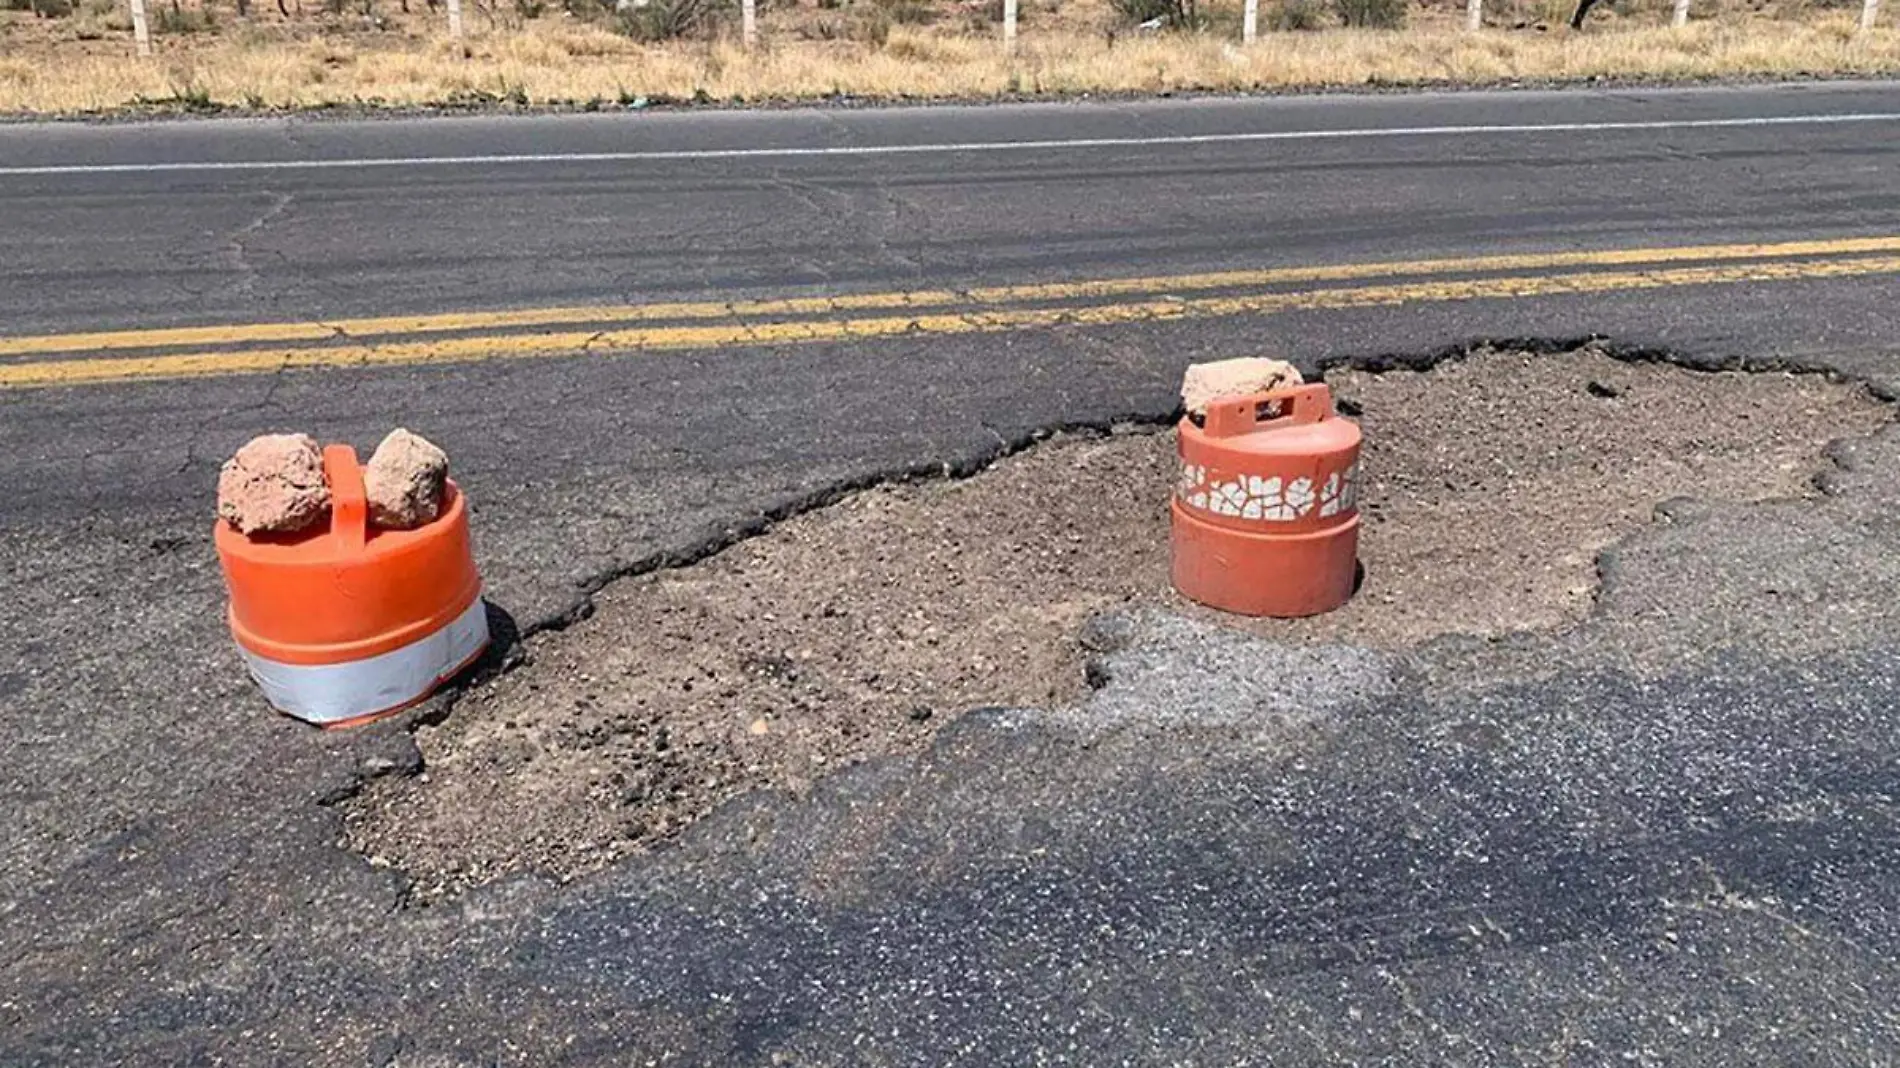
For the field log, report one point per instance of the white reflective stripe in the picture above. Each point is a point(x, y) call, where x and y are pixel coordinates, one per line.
point(328, 693)
point(1049, 145)
point(1267, 498)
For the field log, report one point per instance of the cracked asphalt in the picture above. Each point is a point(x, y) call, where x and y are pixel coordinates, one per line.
point(1665, 835)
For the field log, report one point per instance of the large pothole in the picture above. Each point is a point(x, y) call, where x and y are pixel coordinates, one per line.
point(859, 630)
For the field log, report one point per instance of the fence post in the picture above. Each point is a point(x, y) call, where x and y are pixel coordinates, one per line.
point(455, 19)
point(1869, 11)
point(1474, 15)
point(1681, 17)
point(1009, 25)
point(749, 23)
point(141, 29)
point(1250, 22)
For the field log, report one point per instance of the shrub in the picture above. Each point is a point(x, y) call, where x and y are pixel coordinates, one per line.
point(46, 9)
point(175, 19)
point(1371, 14)
point(907, 12)
point(980, 19)
point(826, 29)
point(874, 28)
point(1297, 15)
point(1546, 12)
point(669, 20)
point(1170, 14)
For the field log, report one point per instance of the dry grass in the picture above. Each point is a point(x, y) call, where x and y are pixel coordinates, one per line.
point(50, 67)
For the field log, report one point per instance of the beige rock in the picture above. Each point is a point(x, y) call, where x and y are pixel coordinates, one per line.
point(274, 485)
point(1207, 382)
point(404, 481)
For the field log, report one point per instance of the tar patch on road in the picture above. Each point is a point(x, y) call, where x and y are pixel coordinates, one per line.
point(861, 630)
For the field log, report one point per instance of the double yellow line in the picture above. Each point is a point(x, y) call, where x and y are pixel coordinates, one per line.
point(73, 359)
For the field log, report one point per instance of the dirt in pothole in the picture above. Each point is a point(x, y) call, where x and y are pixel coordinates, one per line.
point(859, 630)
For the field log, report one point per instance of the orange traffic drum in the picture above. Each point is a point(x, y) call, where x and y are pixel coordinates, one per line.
point(344, 625)
point(1266, 513)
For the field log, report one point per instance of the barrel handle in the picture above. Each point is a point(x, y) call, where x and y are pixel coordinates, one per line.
point(1298, 406)
point(349, 501)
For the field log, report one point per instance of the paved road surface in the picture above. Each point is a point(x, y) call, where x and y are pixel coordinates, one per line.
point(638, 333)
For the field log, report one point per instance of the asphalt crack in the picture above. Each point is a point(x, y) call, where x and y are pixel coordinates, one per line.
point(887, 221)
point(236, 248)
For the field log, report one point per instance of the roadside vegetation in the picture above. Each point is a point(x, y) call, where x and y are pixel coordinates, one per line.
point(77, 56)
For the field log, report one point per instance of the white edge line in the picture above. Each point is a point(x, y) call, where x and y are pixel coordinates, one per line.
point(935, 149)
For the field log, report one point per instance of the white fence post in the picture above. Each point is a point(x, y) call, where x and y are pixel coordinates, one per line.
point(455, 19)
point(141, 29)
point(1869, 11)
point(1250, 22)
point(1009, 25)
point(1681, 17)
point(749, 23)
point(1474, 15)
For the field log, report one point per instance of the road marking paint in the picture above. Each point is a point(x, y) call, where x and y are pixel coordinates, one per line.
point(359, 329)
point(660, 339)
point(1057, 144)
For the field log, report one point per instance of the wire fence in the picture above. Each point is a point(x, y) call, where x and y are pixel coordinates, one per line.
point(1171, 12)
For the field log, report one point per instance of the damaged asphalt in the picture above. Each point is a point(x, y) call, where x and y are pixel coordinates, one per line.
point(1663, 836)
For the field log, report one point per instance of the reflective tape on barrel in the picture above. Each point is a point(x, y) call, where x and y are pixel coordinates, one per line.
point(333, 693)
point(1268, 498)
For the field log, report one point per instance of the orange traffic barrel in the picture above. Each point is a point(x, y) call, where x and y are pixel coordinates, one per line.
point(1266, 514)
point(349, 623)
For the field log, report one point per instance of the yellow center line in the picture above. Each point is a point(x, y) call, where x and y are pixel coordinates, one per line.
point(1153, 286)
point(659, 339)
